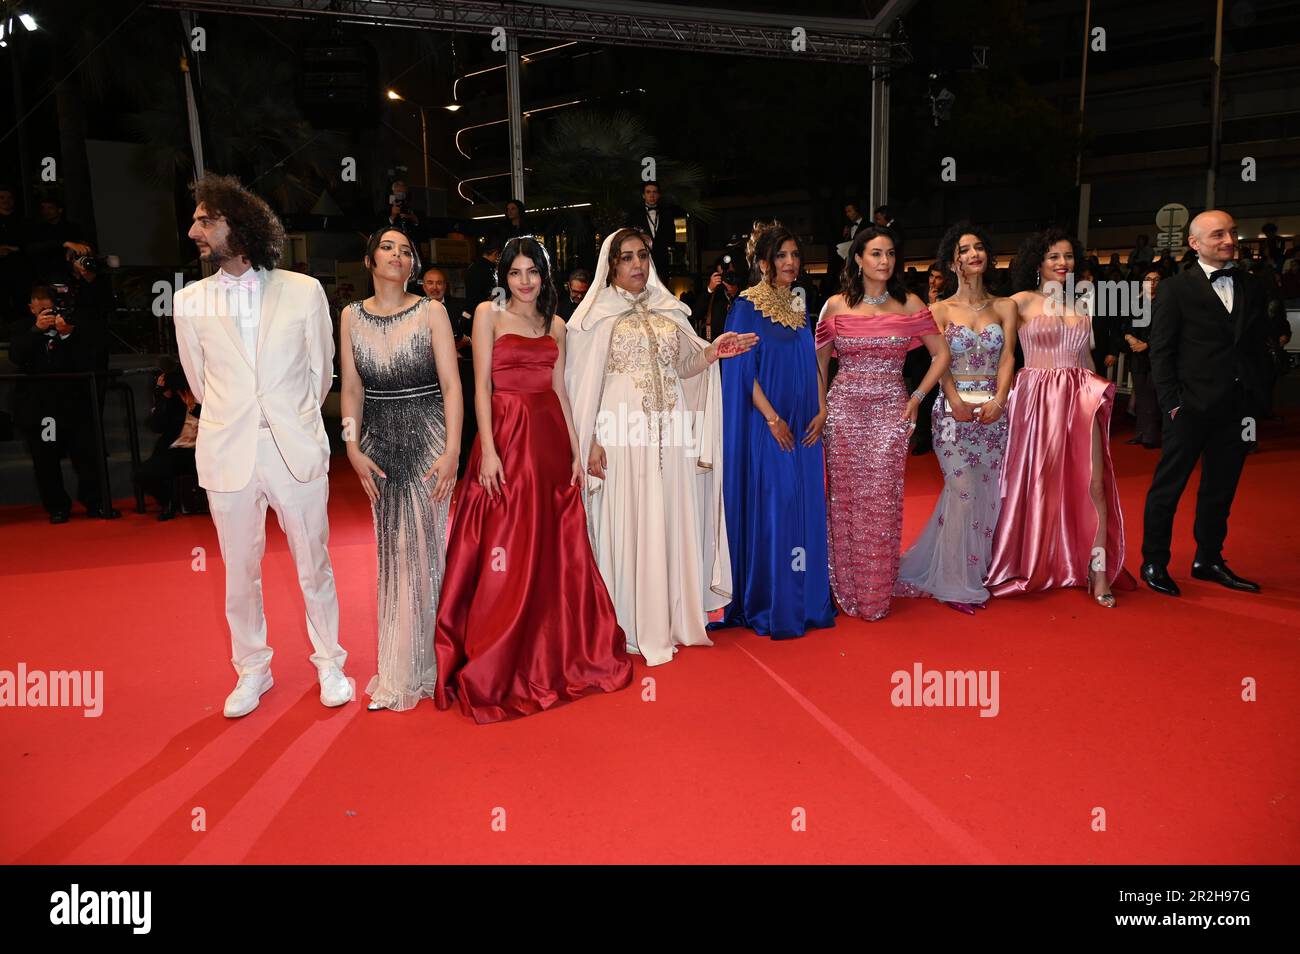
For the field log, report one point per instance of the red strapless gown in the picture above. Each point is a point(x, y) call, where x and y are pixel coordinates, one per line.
point(524, 621)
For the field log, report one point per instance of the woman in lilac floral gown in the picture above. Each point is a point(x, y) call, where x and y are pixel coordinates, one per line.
point(949, 559)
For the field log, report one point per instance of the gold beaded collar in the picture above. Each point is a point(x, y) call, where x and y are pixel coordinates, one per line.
point(780, 305)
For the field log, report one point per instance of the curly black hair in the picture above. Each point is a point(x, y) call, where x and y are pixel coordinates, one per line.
point(255, 230)
point(947, 255)
point(1033, 250)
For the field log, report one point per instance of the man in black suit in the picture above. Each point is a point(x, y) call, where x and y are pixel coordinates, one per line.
point(55, 414)
point(1208, 356)
point(480, 280)
point(655, 219)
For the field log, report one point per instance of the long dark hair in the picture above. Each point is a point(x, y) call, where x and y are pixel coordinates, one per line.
point(535, 252)
point(851, 286)
point(1033, 251)
point(372, 246)
point(255, 231)
point(947, 257)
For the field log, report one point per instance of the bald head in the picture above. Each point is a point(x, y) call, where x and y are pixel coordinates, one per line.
point(1213, 235)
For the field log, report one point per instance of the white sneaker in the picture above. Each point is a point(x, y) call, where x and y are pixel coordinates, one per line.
point(335, 688)
point(247, 694)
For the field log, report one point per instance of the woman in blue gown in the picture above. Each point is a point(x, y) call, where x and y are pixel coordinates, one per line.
point(774, 486)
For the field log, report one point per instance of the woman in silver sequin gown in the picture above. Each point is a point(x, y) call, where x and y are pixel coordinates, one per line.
point(401, 398)
point(871, 326)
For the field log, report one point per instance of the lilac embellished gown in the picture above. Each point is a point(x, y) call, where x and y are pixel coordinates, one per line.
point(866, 449)
point(948, 561)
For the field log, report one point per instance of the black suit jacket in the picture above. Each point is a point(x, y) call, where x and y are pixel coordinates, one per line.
point(662, 239)
point(1204, 359)
point(480, 279)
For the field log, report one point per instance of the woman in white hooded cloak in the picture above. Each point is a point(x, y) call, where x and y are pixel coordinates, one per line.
point(647, 406)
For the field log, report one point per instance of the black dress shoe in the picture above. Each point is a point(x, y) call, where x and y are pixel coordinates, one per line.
point(103, 513)
point(1158, 578)
point(1219, 573)
point(59, 516)
point(920, 450)
point(1136, 440)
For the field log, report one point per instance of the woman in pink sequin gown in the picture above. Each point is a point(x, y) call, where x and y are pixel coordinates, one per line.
point(870, 326)
point(1061, 523)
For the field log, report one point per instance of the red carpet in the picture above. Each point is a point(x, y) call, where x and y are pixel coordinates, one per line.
point(1137, 711)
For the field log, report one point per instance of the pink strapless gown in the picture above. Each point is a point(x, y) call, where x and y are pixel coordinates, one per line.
point(1045, 533)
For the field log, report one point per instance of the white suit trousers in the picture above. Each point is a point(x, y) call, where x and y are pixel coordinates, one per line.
point(240, 518)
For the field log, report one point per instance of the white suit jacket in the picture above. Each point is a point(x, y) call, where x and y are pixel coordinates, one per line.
point(294, 371)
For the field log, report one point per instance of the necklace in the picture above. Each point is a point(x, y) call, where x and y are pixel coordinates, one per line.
point(875, 299)
point(975, 308)
point(778, 304)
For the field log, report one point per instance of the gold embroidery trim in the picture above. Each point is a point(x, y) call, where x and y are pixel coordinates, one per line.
point(780, 305)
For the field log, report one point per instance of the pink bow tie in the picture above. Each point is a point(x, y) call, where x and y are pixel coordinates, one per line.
point(248, 280)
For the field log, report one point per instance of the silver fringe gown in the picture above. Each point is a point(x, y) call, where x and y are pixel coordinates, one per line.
point(403, 430)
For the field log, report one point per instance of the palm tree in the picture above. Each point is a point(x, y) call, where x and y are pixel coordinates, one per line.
point(598, 158)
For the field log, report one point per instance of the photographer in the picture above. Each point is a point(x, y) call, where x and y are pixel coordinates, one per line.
point(52, 243)
point(400, 215)
point(173, 417)
point(712, 304)
point(55, 415)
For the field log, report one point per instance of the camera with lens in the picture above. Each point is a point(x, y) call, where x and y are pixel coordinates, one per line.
point(89, 263)
point(64, 300)
point(728, 270)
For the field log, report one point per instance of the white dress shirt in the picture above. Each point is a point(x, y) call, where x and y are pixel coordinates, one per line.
point(245, 307)
point(1222, 286)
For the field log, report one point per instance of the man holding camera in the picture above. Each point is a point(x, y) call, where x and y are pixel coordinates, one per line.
point(711, 305)
point(54, 415)
point(400, 215)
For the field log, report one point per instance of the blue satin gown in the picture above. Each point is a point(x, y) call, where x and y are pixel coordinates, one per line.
point(775, 500)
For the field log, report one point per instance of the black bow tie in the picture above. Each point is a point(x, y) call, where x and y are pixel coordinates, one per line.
point(1223, 273)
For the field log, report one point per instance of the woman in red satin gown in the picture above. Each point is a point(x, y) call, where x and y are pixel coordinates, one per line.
point(524, 621)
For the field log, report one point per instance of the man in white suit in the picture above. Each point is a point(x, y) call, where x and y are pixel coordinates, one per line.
point(257, 345)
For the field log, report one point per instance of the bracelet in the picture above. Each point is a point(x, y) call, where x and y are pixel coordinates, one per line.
point(994, 400)
point(918, 394)
point(773, 420)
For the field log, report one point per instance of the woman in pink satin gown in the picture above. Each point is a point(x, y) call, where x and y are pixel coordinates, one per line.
point(1061, 523)
point(871, 326)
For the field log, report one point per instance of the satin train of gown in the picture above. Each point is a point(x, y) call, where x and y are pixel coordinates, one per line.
point(525, 622)
point(403, 430)
point(1048, 524)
